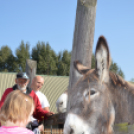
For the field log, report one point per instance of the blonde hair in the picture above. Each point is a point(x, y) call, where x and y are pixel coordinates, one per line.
point(17, 107)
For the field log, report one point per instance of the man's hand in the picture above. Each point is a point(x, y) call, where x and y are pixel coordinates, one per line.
point(49, 114)
point(41, 128)
point(47, 109)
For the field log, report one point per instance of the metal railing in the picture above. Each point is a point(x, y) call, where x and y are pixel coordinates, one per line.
point(52, 131)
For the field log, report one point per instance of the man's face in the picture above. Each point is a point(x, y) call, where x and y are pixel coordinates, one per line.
point(38, 83)
point(22, 83)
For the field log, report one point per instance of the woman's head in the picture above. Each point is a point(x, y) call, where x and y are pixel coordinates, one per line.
point(17, 107)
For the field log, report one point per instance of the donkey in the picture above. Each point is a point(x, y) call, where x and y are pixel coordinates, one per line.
point(99, 99)
point(61, 103)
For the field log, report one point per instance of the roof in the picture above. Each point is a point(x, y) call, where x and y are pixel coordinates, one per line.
point(53, 87)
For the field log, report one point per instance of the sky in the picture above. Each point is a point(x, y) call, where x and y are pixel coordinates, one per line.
point(53, 21)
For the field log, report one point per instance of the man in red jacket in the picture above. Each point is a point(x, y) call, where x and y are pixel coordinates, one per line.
point(22, 81)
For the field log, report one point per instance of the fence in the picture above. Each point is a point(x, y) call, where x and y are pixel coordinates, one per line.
point(122, 128)
point(118, 129)
point(53, 131)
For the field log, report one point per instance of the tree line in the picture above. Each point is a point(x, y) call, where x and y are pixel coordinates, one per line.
point(48, 62)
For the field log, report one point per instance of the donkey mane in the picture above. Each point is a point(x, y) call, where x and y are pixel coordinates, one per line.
point(119, 81)
point(123, 94)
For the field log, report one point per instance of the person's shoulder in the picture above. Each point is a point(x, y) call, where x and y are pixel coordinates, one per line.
point(1, 129)
point(8, 90)
point(33, 95)
point(41, 94)
point(24, 130)
point(29, 90)
point(15, 130)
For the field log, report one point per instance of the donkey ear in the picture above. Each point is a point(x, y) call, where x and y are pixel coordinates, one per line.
point(80, 68)
point(103, 61)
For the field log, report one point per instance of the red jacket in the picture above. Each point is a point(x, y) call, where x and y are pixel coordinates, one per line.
point(38, 111)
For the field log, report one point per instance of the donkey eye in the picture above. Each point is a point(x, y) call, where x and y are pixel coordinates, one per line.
point(92, 92)
point(61, 103)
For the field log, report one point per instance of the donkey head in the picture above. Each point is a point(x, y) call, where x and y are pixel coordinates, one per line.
point(61, 103)
point(90, 110)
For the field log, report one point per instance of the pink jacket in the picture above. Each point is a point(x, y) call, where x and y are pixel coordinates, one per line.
point(14, 130)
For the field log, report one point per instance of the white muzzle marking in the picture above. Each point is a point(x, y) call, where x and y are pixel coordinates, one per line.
point(76, 125)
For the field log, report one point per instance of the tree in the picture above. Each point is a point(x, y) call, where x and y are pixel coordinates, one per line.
point(5, 53)
point(7, 60)
point(115, 68)
point(59, 64)
point(132, 80)
point(54, 62)
point(93, 61)
point(120, 72)
point(22, 54)
point(50, 63)
point(36, 51)
point(64, 63)
point(46, 59)
point(12, 64)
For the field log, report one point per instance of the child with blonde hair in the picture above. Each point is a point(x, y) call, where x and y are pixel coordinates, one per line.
point(16, 113)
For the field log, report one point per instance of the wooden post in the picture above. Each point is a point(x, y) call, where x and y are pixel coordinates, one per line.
point(31, 67)
point(83, 36)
